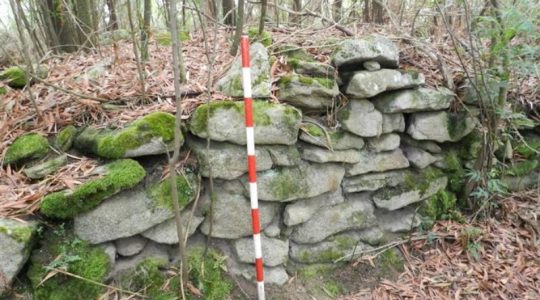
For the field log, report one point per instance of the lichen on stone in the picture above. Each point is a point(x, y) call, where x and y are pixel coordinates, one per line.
point(66, 252)
point(21, 233)
point(120, 175)
point(26, 147)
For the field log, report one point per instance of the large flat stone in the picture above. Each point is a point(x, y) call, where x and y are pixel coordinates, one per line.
point(357, 213)
point(304, 181)
point(342, 247)
point(361, 118)
point(407, 101)
point(274, 123)
point(275, 251)
point(397, 221)
point(373, 181)
point(320, 155)
point(400, 196)
point(123, 215)
point(301, 210)
point(393, 123)
point(418, 157)
point(352, 53)
point(366, 84)
point(378, 162)
point(229, 161)
point(385, 142)
point(440, 126)
point(336, 139)
point(311, 93)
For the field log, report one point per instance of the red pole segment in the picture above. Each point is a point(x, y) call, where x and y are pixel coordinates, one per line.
point(252, 166)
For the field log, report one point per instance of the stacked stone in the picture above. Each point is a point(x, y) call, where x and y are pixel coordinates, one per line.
point(326, 193)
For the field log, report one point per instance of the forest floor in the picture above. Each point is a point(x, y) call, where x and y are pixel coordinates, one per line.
point(494, 258)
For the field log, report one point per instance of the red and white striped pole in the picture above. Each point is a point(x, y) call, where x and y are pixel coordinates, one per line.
point(252, 167)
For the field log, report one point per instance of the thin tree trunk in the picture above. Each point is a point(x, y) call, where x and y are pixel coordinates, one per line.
point(136, 51)
point(85, 27)
point(297, 7)
point(366, 11)
point(176, 53)
point(145, 32)
point(264, 4)
point(337, 6)
point(377, 12)
point(228, 12)
point(239, 27)
point(113, 19)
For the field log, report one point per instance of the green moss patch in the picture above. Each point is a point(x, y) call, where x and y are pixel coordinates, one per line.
point(314, 130)
point(26, 147)
point(441, 206)
point(186, 186)
point(120, 175)
point(286, 183)
point(20, 232)
point(74, 256)
point(64, 138)
point(295, 52)
point(287, 80)
point(391, 260)
point(265, 38)
point(3, 90)
point(456, 124)
point(114, 144)
point(530, 149)
point(15, 77)
point(164, 38)
point(206, 274)
point(523, 168)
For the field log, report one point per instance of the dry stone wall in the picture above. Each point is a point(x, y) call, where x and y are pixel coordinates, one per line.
point(330, 185)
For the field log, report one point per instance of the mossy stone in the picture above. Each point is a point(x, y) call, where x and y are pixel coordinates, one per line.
point(46, 167)
point(64, 138)
point(15, 77)
point(296, 53)
point(391, 260)
point(73, 255)
point(119, 175)
point(118, 143)
point(185, 185)
point(164, 38)
point(26, 147)
point(21, 232)
point(441, 206)
point(523, 168)
point(265, 38)
point(529, 149)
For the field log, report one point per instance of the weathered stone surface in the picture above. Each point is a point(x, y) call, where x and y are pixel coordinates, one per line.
point(231, 83)
point(407, 101)
point(402, 220)
point(45, 168)
point(304, 181)
point(275, 251)
point(522, 183)
point(361, 118)
point(320, 155)
point(230, 211)
point(419, 158)
point(308, 92)
point(357, 213)
point(110, 249)
point(165, 233)
point(393, 123)
point(353, 52)
point(149, 135)
point(312, 68)
point(301, 210)
point(403, 195)
point(274, 123)
point(65, 137)
point(15, 239)
point(97, 70)
point(366, 84)
point(229, 161)
point(371, 65)
point(344, 247)
point(427, 145)
point(373, 181)
point(130, 246)
point(272, 275)
point(339, 139)
point(152, 250)
point(378, 162)
point(440, 126)
point(273, 229)
point(123, 215)
point(385, 142)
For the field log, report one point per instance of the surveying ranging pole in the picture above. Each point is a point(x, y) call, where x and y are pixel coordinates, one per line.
point(252, 166)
